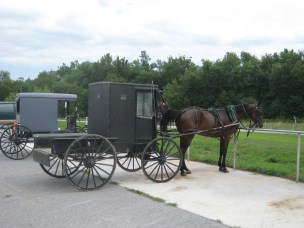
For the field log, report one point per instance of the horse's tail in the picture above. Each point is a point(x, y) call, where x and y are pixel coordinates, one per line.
point(169, 116)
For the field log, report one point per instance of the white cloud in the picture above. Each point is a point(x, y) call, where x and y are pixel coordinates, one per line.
point(46, 33)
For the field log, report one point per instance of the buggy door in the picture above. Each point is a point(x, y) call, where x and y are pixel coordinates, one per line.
point(145, 129)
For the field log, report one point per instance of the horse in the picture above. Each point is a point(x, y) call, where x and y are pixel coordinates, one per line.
point(219, 123)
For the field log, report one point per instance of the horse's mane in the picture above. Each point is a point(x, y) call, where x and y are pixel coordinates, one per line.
point(169, 116)
point(240, 107)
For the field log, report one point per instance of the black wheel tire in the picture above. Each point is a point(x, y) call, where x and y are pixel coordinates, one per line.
point(16, 142)
point(5, 126)
point(130, 162)
point(93, 160)
point(162, 159)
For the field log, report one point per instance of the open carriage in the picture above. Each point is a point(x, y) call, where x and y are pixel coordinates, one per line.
point(122, 129)
point(36, 113)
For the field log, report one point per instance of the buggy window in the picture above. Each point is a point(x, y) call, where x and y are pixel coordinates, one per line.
point(144, 107)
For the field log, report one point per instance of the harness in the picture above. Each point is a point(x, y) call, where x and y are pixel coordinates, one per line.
point(214, 111)
point(232, 113)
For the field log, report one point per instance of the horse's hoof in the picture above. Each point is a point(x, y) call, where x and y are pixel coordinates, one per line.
point(223, 169)
point(188, 172)
point(183, 174)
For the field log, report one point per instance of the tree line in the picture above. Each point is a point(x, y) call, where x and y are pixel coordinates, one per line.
point(276, 81)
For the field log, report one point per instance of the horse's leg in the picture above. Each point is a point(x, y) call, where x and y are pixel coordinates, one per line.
point(224, 147)
point(221, 154)
point(185, 142)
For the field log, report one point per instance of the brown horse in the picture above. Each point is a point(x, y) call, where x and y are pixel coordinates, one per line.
point(221, 123)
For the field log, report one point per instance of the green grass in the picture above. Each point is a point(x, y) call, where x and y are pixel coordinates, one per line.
point(62, 124)
point(270, 154)
point(284, 124)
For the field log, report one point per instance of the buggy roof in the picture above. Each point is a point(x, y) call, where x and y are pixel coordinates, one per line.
point(57, 96)
point(135, 85)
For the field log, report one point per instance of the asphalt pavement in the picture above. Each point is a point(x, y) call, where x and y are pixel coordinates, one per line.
point(206, 198)
point(31, 198)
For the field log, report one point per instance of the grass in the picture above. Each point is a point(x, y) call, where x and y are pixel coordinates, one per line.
point(284, 124)
point(270, 154)
point(156, 199)
point(62, 124)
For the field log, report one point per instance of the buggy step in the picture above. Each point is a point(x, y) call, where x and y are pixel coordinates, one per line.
point(41, 155)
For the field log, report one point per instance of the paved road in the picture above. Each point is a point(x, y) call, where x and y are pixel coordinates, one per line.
point(30, 198)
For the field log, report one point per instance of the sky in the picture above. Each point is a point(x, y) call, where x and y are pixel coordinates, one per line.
point(37, 36)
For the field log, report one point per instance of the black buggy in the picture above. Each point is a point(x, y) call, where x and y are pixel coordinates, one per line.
point(122, 129)
point(36, 113)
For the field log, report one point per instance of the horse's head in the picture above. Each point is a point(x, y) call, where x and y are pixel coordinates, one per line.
point(163, 107)
point(255, 113)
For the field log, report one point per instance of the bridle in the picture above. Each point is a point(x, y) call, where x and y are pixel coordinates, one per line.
point(258, 112)
point(163, 107)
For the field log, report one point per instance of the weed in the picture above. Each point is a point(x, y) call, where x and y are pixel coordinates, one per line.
point(156, 199)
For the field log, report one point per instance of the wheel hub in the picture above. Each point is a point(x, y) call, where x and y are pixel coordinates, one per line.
point(89, 162)
point(162, 160)
point(16, 140)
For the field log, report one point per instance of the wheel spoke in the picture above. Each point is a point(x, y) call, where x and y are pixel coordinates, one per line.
point(56, 167)
point(162, 158)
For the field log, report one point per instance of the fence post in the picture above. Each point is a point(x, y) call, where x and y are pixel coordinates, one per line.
point(298, 157)
point(234, 151)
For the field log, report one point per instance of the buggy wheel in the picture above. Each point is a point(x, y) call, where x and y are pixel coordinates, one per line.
point(96, 159)
point(162, 159)
point(5, 126)
point(130, 161)
point(56, 168)
point(16, 142)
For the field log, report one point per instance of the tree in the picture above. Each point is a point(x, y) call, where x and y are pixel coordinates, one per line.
point(275, 79)
point(4, 75)
point(45, 81)
point(173, 69)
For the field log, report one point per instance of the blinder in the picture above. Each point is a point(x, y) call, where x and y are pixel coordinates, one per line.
point(258, 122)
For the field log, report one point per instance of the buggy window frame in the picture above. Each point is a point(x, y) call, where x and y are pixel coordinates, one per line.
point(144, 103)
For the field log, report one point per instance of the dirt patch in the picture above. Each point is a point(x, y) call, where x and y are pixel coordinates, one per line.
point(293, 203)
